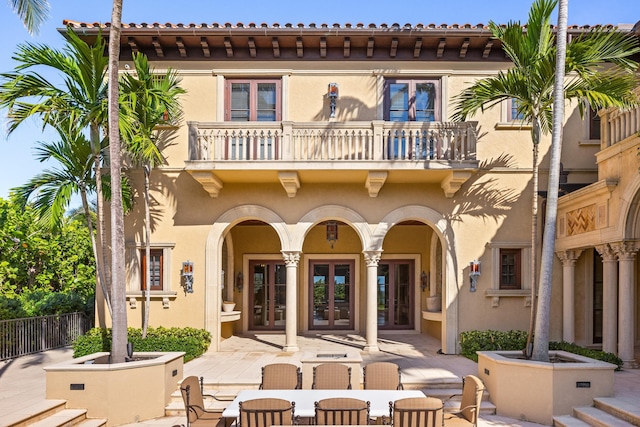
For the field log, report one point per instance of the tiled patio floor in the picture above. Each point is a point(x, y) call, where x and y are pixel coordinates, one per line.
point(22, 381)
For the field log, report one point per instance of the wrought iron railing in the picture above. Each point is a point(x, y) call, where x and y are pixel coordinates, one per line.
point(19, 337)
point(347, 141)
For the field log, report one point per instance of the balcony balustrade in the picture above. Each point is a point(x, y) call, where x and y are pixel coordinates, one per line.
point(617, 125)
point(348, 141)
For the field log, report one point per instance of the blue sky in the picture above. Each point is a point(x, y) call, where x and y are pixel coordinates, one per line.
point(17, 164)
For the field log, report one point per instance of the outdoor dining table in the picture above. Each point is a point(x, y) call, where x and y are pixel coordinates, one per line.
point(305, 399)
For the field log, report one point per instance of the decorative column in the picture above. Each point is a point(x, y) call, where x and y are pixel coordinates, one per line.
point(626, 252)
point(291, 259)
point(568, 259)
point(372, 258)
point(609, 298)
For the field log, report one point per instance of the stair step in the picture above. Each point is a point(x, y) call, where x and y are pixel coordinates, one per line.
point(34, 413)
point(569, 421)
point(446, 393)
point(599, 418)
point(92, 422)
point(64, 418)
point(626, 409)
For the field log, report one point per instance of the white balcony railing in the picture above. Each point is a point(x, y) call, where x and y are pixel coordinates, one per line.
point(316, 141)
point(618, 125)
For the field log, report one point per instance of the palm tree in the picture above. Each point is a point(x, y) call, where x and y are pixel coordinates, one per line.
point(150, 99)
point(77, 100)
point(541, 343)
point(118, 276)
point(53, 188)
point(530, 82)
point(31, 12)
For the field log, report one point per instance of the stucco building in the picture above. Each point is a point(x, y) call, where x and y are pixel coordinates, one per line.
point(318, 183)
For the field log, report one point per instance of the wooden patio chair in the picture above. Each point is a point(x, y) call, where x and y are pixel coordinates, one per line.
point(281, 376)
point(331, 376)
point(416, 412)
point(467, 413)
point(382, 376)
point(191, 389)
point(342, 411)
point(266, 412)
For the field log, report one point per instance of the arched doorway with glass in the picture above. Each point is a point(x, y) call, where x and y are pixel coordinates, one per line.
point(331, 294)
point(267, 294)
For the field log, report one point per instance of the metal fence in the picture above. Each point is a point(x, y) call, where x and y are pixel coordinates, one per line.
point(19, 337)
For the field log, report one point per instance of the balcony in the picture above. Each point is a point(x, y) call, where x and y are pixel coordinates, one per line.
point(618, 125)
point(375, 153)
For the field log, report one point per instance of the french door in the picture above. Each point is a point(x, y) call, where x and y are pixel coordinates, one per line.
point(395, 294)
point(267, 284)
point(331, 295)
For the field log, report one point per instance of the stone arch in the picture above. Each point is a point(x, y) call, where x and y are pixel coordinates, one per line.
point(451, 283)
point(630, 211)
point(213, 257)
point(337, 212)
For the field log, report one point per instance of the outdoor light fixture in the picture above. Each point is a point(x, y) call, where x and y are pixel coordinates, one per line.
point(239, 280)
point(333, 95)
point(187, 277)
point(474, 273)
point(332, 232)
point(424, 281)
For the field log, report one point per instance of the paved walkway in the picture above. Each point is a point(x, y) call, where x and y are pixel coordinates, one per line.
point(22, 380)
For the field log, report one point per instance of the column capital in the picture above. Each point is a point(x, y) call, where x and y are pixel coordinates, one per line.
point(569, 257)
point(606, 252)
point(291, 258)
point(625, 250)
point(372, 258)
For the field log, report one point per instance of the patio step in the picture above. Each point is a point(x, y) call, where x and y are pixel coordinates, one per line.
point(607, 412)
point(486, 407)
point(625, 409)
point(52, 413)
point(33, 413)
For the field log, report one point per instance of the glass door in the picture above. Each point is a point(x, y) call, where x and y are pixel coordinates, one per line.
point(395, 295)
point(267, 284)
point(331, 295)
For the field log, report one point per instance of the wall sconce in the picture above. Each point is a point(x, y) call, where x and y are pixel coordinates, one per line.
point(239, 281)
point(474, 273)
point(424, 281)
point(187, 277)
point(332, 232)
point(333, 95)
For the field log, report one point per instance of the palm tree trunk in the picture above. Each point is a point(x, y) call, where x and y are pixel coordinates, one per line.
point(118, 276)
point(94, 246)
point(535, 136)
point(101, 258)
point(147, 240)
point(541, 342)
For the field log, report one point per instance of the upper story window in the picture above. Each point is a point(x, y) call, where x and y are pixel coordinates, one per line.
point(512, 110)
point(412, 100)
point(253, 100)
point(594, 123)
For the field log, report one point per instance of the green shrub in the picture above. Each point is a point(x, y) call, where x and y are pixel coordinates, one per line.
point(194, 342)
point(587, 352)
point(472, 341)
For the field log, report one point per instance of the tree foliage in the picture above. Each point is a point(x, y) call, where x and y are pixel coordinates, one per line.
point(42, 271)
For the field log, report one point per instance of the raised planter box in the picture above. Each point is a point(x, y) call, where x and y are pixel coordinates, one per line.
point(122, 393)
point(537, 391)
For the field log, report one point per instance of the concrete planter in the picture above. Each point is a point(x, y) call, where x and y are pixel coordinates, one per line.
point(537, 391)
point(120, 392)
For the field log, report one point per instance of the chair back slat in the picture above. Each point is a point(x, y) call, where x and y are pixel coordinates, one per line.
point(266, 412)
point(341, 411)
point(331, 376)
point(471, 398)
point(417, 412)
point(192, 397)
point(382, 376)
point(281, 376)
